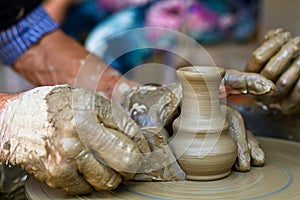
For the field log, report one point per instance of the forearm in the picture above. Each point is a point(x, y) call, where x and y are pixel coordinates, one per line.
point(16, 39)
point(51, 57)
point(59, 59)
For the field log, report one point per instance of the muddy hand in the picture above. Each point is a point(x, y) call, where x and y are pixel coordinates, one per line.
point(154, 107)
point(249, 151)
point(237, 82)
point(277, 58)
point(40, 132)
point(257, 154)
point(273, 42)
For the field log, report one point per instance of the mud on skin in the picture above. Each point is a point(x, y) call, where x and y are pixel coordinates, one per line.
point(277, 58)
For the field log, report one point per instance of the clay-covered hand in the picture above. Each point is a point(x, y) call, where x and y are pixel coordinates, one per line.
point(277, 58)
point(157, 106)
point(249, 151)
point(236, 82)
point(153, 107)
point(70, 138)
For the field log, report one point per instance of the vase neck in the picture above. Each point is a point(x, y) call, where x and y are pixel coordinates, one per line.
point(201, 97)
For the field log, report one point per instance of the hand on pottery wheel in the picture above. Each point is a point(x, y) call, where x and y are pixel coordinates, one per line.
point(40, 132)
point(235, 82)
point(249, 152)
point(156, 106)
point(277, 58)
point(153, 107)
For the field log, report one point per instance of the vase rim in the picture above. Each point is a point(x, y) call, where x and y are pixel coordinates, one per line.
point(202, 70)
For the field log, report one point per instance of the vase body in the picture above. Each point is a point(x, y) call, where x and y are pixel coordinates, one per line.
point(201, 144)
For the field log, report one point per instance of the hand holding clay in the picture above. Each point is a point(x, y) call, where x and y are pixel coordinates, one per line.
point(277, 58)
point(153, 107)
point(249, 152)
point(40, 132)
point(237, 82)
point(157, 106)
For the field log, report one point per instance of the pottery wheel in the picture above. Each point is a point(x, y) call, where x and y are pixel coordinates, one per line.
point(278, 179)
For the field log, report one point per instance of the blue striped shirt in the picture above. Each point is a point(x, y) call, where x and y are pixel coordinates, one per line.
point(15, 40)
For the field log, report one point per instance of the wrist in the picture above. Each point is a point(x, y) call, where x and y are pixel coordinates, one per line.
point(15, 40)
point(23, 124)
point(55, 59)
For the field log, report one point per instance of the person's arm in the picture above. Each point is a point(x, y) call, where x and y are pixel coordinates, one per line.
point(26, 30)
point(58, 59)
point(44, 55)
point(41, 129)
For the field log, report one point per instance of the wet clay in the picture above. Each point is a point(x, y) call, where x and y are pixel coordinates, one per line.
point(291, 104)
point(287, 80)
point(26, 133)
point(252, 83)
point(16, 109)
point(40, 132)
point(238, 132)
point(249, 150)
point(264, 52)
point(278, 63)
point(257, 154)
point(273, 32)
point(279, 179)
point(277, 58)
point(162, 164)
point(201, 143)
point(153, 107)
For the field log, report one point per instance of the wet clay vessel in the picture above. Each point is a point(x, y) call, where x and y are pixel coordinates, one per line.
point(200, 143)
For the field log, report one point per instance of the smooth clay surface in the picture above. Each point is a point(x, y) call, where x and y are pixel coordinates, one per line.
point(278, 179)
point(202, 146)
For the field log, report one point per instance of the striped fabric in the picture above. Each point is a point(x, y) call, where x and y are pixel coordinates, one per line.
point(15, 40)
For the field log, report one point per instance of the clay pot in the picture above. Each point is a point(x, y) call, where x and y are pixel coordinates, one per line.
point(201, 144)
